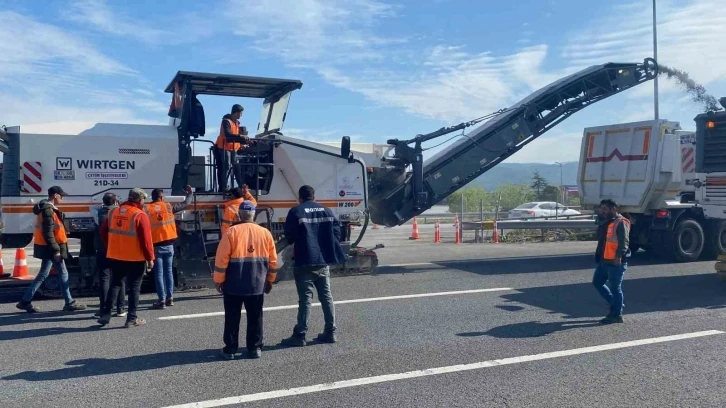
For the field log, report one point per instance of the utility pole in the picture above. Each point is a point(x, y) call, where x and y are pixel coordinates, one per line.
point(655, 56)
point(562, 194)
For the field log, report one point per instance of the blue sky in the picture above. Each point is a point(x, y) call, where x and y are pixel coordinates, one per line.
point(371, 69)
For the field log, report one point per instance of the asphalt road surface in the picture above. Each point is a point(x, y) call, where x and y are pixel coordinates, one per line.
point(508, 325)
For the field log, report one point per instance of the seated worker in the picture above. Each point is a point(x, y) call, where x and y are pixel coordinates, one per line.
point(231, 207)
point(225, 151)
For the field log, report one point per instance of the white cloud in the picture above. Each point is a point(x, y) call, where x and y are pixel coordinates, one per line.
point(49, 75)
point(182, 28)
point(307, 32)
point(33, 48)
point(689, 38)
point(98, 14)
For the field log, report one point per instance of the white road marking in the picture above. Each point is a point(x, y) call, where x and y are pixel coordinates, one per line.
point(342, 302)
point(438, 370)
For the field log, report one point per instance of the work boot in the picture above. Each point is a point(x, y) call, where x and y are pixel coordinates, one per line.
point(326, 337)
point(254, 353)
point(612, 319)
point(226, 356)
point(134, 323)
point(170, 302)
point(161, 305)
point(74, 306)
point(296, 340)
point(97, 315)
point(27, 306)
point(105, 319)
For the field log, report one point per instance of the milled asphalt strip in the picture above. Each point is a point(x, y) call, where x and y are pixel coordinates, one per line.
point(439, 370)
point(342, 302)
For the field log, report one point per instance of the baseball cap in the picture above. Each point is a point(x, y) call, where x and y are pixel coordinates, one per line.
point(247, 206)
point(137, 194)
point(56, 190)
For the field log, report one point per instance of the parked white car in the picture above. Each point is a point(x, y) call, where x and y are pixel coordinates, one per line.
point(541, 209)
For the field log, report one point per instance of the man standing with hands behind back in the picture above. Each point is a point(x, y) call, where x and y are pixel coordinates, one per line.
point(130, 250)
point(613, 250)
point(245, 267)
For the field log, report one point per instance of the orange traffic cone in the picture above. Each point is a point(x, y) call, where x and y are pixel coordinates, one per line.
point(495, 234)
point(437, 233)
point(3, 274)
point(414, 232)
point(457, 234)
point(20, 271)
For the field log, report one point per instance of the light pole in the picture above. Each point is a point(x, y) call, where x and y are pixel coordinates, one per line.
point(562, 194)
point(655, 56)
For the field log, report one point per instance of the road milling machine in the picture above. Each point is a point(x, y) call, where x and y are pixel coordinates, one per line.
point(386, 185)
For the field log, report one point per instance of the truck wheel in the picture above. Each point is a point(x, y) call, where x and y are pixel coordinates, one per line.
point(686, 241)
point(716, 242)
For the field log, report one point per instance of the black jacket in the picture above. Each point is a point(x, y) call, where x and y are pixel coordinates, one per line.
point(46, 208)
point(102, 217)
point(315, 233)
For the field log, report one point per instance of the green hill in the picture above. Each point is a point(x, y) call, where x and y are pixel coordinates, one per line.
point(521, 173)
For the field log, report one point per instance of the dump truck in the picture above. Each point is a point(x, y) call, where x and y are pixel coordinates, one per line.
point(664, 179)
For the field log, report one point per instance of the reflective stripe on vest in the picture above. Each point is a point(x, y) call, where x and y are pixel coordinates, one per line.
point(123, 241)
point(231, 213)
point(59, 230)
point(234, 128)
point(611, 239)
point(163, 225)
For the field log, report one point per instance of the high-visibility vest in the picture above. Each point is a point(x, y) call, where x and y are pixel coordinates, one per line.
point(123, 239)
point(231, 211)
point(59, 230)
point(611, 239)
point(161, 218)
point(231, 146)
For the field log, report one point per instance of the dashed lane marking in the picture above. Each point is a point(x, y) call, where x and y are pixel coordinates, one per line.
point(438, 370)
point(342, 302)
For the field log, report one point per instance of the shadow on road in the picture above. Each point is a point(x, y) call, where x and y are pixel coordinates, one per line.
point(516, 265)
point(7, 335)
point(578, 301)
point(56, 316)
point(531, 329)
point(644, 295)
point(92, 367)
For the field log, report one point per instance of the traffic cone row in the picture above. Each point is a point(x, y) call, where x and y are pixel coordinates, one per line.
point(414, 232)
point(20, 270)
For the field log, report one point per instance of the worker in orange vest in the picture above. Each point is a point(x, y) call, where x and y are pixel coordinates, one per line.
point(163, 235)
point(50, 244)
point(226, 151)
point(130, 251)
point(230, 215)
point(613, 250)
point(244, 268)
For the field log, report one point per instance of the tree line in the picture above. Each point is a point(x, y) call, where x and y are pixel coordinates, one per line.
point(512, 195)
